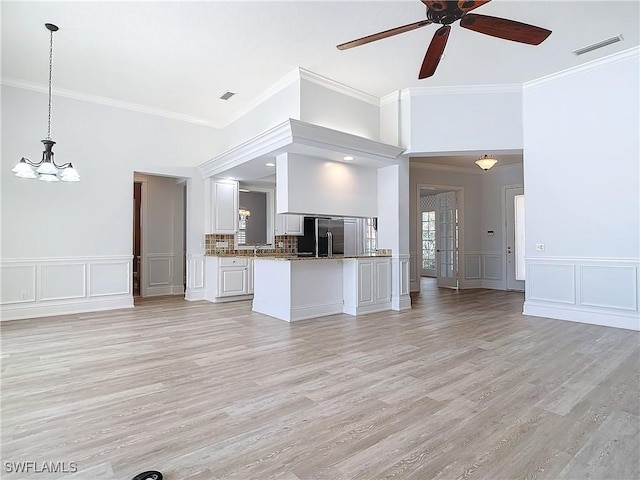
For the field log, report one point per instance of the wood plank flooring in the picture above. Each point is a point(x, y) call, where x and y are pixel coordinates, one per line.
point(463, 386)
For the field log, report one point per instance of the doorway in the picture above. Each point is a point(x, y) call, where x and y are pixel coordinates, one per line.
point(439, 233)
point(514, 231)
point(137, 237)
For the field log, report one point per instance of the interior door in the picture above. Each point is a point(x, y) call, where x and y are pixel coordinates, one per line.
point(447, 240)
point(514, 219)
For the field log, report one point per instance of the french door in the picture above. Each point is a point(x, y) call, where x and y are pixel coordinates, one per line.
point(447, 240)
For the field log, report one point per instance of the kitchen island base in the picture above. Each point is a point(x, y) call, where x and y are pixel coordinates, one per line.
point(298, 289)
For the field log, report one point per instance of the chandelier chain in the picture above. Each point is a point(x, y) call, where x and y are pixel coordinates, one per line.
point(50, 70)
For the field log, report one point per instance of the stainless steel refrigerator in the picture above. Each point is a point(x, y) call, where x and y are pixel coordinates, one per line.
point(323, 237)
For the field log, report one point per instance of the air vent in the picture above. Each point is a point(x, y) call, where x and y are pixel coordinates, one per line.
point(227, 95)
point(595, 46)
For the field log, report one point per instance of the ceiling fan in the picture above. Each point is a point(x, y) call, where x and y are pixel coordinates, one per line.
point(447, 12)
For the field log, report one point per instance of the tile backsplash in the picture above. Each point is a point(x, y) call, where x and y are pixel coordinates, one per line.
point(212, 244)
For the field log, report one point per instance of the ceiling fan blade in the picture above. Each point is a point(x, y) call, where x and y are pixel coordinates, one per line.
point(434, 52)
point(385, 34)
point(468, 5)
point(503, 28)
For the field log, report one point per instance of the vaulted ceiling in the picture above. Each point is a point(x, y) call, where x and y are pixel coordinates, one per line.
point(179, 57)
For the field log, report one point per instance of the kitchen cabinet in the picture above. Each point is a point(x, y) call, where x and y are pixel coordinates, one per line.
point(287, 224)
point(228, 278)
point(367, 285)
point(222, 206)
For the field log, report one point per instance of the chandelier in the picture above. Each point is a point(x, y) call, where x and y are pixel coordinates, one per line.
point(47, 169)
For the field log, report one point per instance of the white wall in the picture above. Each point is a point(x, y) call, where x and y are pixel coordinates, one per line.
point(483, 119)
point(328, 108)
point(283, 104)
point(308, 185)
point(582, 184)
point(85, 228)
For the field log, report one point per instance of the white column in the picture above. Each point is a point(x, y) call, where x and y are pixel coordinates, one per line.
point(195, 238)
point(393, 228)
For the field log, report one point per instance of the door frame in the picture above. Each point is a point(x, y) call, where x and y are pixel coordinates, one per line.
point(438, 188)
point(143, 267)
point(505, 239)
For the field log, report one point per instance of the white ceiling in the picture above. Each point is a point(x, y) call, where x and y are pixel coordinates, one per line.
point(179, 57)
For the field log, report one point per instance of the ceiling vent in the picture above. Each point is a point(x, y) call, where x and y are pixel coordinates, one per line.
point(226, 95)
point(595, 46)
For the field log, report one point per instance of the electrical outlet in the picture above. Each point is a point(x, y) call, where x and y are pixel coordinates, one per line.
point(539, 247)
point(222, 244)
point(23, 295)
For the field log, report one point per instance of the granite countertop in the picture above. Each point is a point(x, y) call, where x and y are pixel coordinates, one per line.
point(334, 257)
point(274, 256)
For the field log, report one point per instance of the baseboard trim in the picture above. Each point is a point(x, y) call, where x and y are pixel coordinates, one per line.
point(15, 312)
point(195, 294)
point(363, 310)
point(582, 316)
point(401, 303)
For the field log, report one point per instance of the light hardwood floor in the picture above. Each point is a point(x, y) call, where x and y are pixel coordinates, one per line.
point(463, 386)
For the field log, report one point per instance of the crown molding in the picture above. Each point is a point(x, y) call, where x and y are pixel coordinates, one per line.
point(262, 144)
point(301, 138)
point(464, 90)
point(394, 97)
point(106, 101)
point(632, 52)
point(338, 87)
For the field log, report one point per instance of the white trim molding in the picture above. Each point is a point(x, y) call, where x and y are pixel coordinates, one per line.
point(195, 278)
point(108, 102)
point(400, 282)
point(600, 291)
point(585, 67)
point(41, 287)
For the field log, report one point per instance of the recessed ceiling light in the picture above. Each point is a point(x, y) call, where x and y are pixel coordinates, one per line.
point(270, 164)
point(348, 158)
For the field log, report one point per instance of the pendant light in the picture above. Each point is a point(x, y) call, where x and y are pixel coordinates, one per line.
point(486, 162)
point(47, 169)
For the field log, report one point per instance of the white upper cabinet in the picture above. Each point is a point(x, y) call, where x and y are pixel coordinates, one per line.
point(289, 224)
point(222, 206)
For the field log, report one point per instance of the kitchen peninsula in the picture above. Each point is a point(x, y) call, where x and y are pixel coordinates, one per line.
point(296, 288)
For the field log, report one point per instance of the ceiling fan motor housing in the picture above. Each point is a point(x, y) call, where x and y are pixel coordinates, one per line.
point(444, 13)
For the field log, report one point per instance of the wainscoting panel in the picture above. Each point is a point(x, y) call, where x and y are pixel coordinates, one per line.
point(18, 284)
point(414, 277)
point(551, 283)
point(109, 279)
point(482, 270)
point(41, 287)
point(609, 286)
point(160, 269)
point(63, 282)
point(492, 266)
point(599, 291)
point(473, 266)
point(195, 278)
